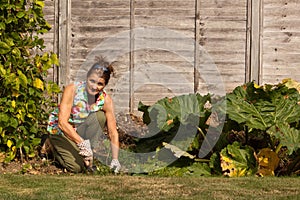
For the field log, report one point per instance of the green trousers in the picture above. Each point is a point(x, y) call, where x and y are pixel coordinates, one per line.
point(66, 151)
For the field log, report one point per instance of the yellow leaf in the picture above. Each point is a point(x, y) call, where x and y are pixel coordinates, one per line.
point(30, 116)
point(9, 143)
point(226, 159)
point(267, 158)
point(2, 132)
point(54, 59)
point(38, 64)
point(242, 172)
point(256, 86)
point(13, 104)
point(290, 83)
point(38, 83)
point(40, 3)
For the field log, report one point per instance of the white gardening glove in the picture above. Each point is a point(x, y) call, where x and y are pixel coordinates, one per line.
point(115, 165)
point(85, 150)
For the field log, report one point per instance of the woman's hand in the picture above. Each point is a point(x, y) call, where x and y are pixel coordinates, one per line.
point(85, 150)
point(115, 165)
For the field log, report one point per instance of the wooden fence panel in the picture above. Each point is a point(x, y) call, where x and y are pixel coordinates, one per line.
point(281, 40)
point(164, 49)
point(170, 47)
point(100, 29)
point(223, 35)
point(50, 38)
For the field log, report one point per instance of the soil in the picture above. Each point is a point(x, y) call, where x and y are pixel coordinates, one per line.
point(129, 126)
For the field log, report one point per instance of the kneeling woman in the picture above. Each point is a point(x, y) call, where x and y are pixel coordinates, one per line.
point(75, 127)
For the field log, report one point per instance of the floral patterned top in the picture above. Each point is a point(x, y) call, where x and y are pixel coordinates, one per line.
point(80, 109)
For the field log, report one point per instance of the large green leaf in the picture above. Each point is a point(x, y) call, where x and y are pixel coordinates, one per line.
point(241, 111)
point(261, 108)
point(198, 169)
point(288, 136)
point(287, 110)
point(187, 109)
point(237, 160)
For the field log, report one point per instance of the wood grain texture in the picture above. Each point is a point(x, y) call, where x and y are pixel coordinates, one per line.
point(281, 40)
point(50, 38)
point(223, 36)
point(193, 46)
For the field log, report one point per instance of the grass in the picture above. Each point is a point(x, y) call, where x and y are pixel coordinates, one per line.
point(83, 187)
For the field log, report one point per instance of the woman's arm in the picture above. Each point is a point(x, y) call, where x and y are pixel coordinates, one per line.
point(108, 108)
point(64, 114)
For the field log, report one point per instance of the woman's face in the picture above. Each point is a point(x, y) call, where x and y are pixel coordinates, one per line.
point(94, 84)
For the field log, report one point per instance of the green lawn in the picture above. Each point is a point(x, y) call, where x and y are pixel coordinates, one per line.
point(145, 187)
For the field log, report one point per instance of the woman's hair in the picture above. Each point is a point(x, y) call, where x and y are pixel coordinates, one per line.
point(102, 68)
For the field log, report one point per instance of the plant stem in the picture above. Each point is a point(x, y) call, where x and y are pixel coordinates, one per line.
point(278, 148)
point(204, 137)
point(21, 155)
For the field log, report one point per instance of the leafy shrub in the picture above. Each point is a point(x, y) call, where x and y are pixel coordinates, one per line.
point(25, 93)
point(268, 117)
point(257, 118)
point(178, 117)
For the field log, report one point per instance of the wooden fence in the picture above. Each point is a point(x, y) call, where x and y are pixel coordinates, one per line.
point(171, 47)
